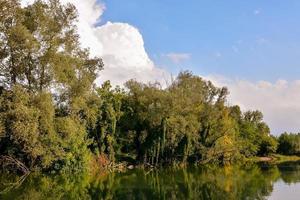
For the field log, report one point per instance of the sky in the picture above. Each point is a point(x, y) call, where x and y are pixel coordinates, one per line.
point(246, 39)
point(252, 47)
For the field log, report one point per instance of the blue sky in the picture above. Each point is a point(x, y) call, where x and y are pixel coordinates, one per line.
point(253, 40)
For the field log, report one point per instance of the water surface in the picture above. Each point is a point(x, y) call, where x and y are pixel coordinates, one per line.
point(234, 182)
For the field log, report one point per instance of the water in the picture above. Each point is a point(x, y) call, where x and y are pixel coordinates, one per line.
point(234, 182)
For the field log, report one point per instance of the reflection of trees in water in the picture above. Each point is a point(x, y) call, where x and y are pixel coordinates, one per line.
point(218, 183)
point(38, 186)
point(290, 173)
point(252, 182)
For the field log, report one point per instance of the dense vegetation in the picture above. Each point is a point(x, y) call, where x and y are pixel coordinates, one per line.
point(289, 144)
point(54, 117)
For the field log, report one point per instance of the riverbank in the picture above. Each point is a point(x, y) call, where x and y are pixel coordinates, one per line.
point(271, 159)
point(275, 159)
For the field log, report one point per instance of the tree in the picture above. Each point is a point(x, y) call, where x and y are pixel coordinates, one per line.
point(289, 144)
point(47, 91)
point(109, 112)
point(254, 133)
point(186, 121)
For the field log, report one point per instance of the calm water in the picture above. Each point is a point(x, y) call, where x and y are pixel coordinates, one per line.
point(247, 182)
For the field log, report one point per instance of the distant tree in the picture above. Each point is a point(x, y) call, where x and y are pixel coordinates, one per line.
point(289, 144)
point(253, 133)
point(268, 145)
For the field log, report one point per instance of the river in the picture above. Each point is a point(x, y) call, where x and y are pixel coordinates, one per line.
point(255, 181)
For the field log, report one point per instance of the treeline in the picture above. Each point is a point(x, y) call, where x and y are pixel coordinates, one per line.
point(289, 144)
point(53, 116)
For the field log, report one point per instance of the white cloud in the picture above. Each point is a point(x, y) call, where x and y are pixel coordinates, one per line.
point(177, 57)
point(278, 101)
point(119, 44)
point(125, 56)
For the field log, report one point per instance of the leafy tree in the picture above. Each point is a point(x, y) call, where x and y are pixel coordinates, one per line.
point(109, 112)
point(186, 121)
point(289, 144)
point(47, 96)
point(255, 135)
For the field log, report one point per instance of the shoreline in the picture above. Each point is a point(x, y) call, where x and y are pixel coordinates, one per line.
point(275, 159)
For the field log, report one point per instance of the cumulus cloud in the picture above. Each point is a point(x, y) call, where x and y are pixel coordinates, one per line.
point(278, 101)
point(120, 45)
point(178, 57)
point(125, 58)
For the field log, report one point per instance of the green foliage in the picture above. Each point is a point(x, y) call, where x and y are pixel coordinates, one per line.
point(188, 121)
point(268, 145)
point(29, 128)
point(254, 134)
point(289, 144)
point(74, 143)
point(104, 133)
point(47, 93)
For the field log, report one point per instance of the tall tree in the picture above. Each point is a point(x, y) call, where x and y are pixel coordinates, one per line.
point(47, 85)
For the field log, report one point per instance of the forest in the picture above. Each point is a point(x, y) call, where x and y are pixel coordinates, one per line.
point(53, 116)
